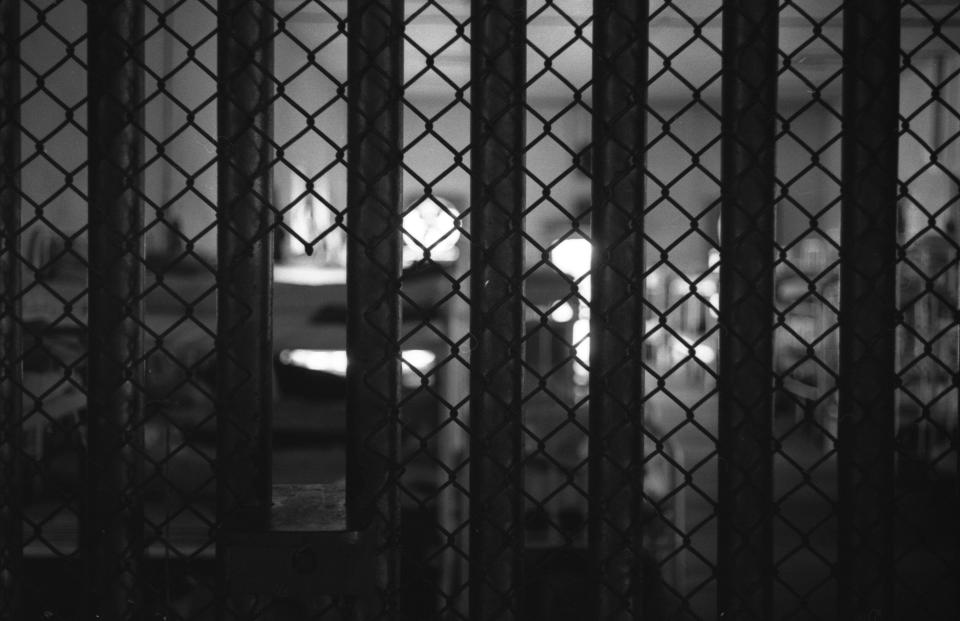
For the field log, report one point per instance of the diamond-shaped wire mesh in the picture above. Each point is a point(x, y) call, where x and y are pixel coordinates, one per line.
point(927, 354)
point(807, 298)
point(53, 239)
point(422, 254)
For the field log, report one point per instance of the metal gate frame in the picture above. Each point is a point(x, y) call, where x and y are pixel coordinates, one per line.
point(111, 540)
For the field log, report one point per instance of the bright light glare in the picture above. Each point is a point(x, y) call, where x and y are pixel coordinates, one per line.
point(652, 281)
point(562, 313)
point(415, 362)
point(713, 257)
point(333, 361)
point(702, 352)
point(572, 256)
point(309, 274)
point(707, 287)
point(430, 226)
point(581, 337)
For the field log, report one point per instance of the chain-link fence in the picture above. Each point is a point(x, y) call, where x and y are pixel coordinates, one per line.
point(482, 310)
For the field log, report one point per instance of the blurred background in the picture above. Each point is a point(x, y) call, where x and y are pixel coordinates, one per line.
point(682, 259)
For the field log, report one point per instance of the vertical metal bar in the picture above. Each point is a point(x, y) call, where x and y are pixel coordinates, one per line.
point(112, 535)
point(749, 84)
point(11, 371)
point(244, 279)
point(374, 134)
point(244, 275)
point(498, 67)
point(616, 309)
point(871, 87)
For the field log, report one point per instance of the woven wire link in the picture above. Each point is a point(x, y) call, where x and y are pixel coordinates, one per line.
point(178, 477)
point(683, 170)
point(435, 300)
point(807, 298)
point(927, 356)
point(180, 206)
point(308, 222)
point(52, 180)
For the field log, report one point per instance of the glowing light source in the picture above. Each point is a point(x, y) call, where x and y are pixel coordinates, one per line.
point(430, 226)
point(572, 256)
point(414, 363)
point(681, 350)
point(562, 313)
point(333, 361)
point(713, 257)
point(417, 360)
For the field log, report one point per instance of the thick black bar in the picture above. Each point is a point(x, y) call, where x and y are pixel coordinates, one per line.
point(244, 260)
point(11, 369)
point(865, 446)
point(374, 127)
point(745, 540)
point(616, 308)
point(244, 270)
point(112, 532)
point(498, 66)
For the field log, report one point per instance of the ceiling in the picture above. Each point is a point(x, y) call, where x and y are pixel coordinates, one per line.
point(684, 34)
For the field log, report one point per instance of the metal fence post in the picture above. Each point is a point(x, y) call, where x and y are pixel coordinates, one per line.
point(11, 368)
point(745, 540)
point(616, 313)
point(112, 533)
point(498, 70)
point(374, 130)
point(871, 44)
point(244, 268)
